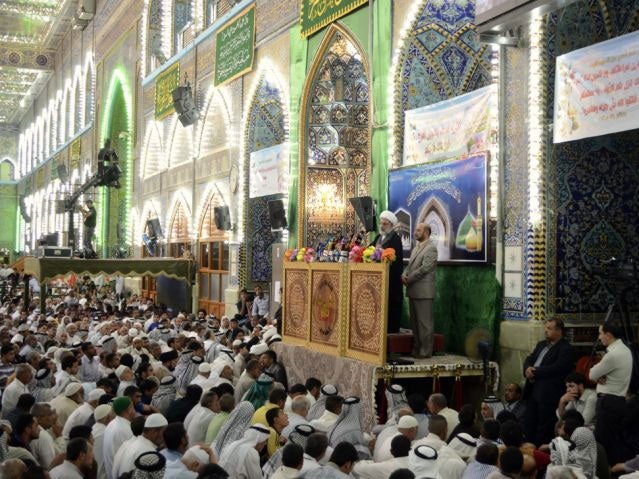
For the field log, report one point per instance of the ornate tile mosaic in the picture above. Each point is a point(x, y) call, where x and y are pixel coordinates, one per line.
point(593, 186)
point(337, 139)
point(441, 58)
point(266, 128)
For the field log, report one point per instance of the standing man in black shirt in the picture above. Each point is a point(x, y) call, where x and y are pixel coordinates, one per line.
point(90, 219)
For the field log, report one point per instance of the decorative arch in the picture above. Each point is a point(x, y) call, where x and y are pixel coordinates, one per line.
point(154, 54)
point(69, 113)
point(441, 57)
point(115, 204)
point(335, 161)
point(89, 89)
point(180, 148)
point(206, 217)
point(182, 19)
point(215, 114)
point(60, 108)
point(435, 214)
point(153, 158)
point(266, 126)
point(78, 101)
point(7, 169)
point(53, 126)
point(179, 221)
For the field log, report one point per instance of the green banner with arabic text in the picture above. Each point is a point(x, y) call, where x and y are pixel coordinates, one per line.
point(316, 14)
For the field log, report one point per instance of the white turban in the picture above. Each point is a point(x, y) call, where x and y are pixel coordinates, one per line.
point(389, 216)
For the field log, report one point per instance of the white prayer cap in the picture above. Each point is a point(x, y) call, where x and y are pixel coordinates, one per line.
point(258, 349)
point(133, 332)
point(102, 411)
point(389, 216)
point(18, 338)
point(407, 422)
point(237, 343)
point(96, 394)
point(155, 420)
point(268, 333)
point(121, 370)
point(72, 388)
point(204, 368)
point(196, 454)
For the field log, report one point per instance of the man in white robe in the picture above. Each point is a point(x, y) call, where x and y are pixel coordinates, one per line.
point(148, 441)
point(103, 414)
point(241, 459)
point(209, 406)
point(118, 431)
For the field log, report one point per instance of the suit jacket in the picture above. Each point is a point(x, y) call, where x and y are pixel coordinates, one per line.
point(395, 290)
point(549, 384)
point(420, 272)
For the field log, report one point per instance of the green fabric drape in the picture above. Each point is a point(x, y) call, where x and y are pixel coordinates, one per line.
point(467, 297)
point(299, 55)
point(382, 37)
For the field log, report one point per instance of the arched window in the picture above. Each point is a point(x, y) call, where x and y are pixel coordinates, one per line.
point(182, 19)
point(7, 170)
point(213, 258)
point(336, 122)
point(154, 54)
point(178, 234)
point(266, 127)
point(209, 12)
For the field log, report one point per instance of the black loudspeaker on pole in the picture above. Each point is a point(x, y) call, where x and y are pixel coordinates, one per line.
point(365, 209)
point(277, 215)
point(185, 105)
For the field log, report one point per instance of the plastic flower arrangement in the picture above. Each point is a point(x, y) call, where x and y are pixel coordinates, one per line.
point(287, 254)
point(300, 254)
point(356, 254)
point(309, 255)
point(368, 254)
point(388, 255)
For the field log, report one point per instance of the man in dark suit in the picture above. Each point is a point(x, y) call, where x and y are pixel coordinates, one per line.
point(388, 238)
point(545, 370)
point(419, 279)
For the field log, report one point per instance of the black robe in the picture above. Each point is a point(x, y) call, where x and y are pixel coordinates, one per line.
point(395, 286)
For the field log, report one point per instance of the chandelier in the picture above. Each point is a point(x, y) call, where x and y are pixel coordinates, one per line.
point(325, 204)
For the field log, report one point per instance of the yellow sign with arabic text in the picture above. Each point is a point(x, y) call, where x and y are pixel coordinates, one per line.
point(165, 83)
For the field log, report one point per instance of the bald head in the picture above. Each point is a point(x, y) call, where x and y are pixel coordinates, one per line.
point(12, 469)
point(422, 232)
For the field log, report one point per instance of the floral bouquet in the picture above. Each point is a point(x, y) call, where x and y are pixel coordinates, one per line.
point(288, 254)
point(309, 255)
point(356, 254)
point(368, 254)
point(388, 255)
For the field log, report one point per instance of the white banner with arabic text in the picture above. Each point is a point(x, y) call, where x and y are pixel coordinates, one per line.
point(597, 89)
point(449, 129)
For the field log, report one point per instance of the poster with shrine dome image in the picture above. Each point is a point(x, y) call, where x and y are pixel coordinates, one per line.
point(451, 198)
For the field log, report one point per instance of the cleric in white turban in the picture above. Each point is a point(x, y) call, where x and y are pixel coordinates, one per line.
point(388, 238)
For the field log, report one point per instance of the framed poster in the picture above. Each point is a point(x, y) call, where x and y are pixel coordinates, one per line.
point(451, 198)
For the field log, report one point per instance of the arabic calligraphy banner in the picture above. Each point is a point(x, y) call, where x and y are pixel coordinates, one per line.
point(451, 198)
point(448, 129)
point(316, 14)
point(235, 47)
point(168, 81)
point(269, 171)
point(597, 89)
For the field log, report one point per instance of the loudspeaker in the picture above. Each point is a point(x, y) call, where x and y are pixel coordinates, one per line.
point(184, 105)
point(23, 210)
point(222, 218)
point(51, 239)
point(277, 215)
point(154, 228)
point(63, 174)
point(365, 209)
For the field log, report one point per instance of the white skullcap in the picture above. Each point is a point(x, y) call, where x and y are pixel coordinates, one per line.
point(197, 454)
point(204, 368)
point(155, 420)
point(102, 411)
point(96, 394)
point(18, 338)
point(237, 343)
point(258, 349)
point(133, 332)
point(389, 216)
point(120, 370)
point(72, 388)
point(407, 422)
